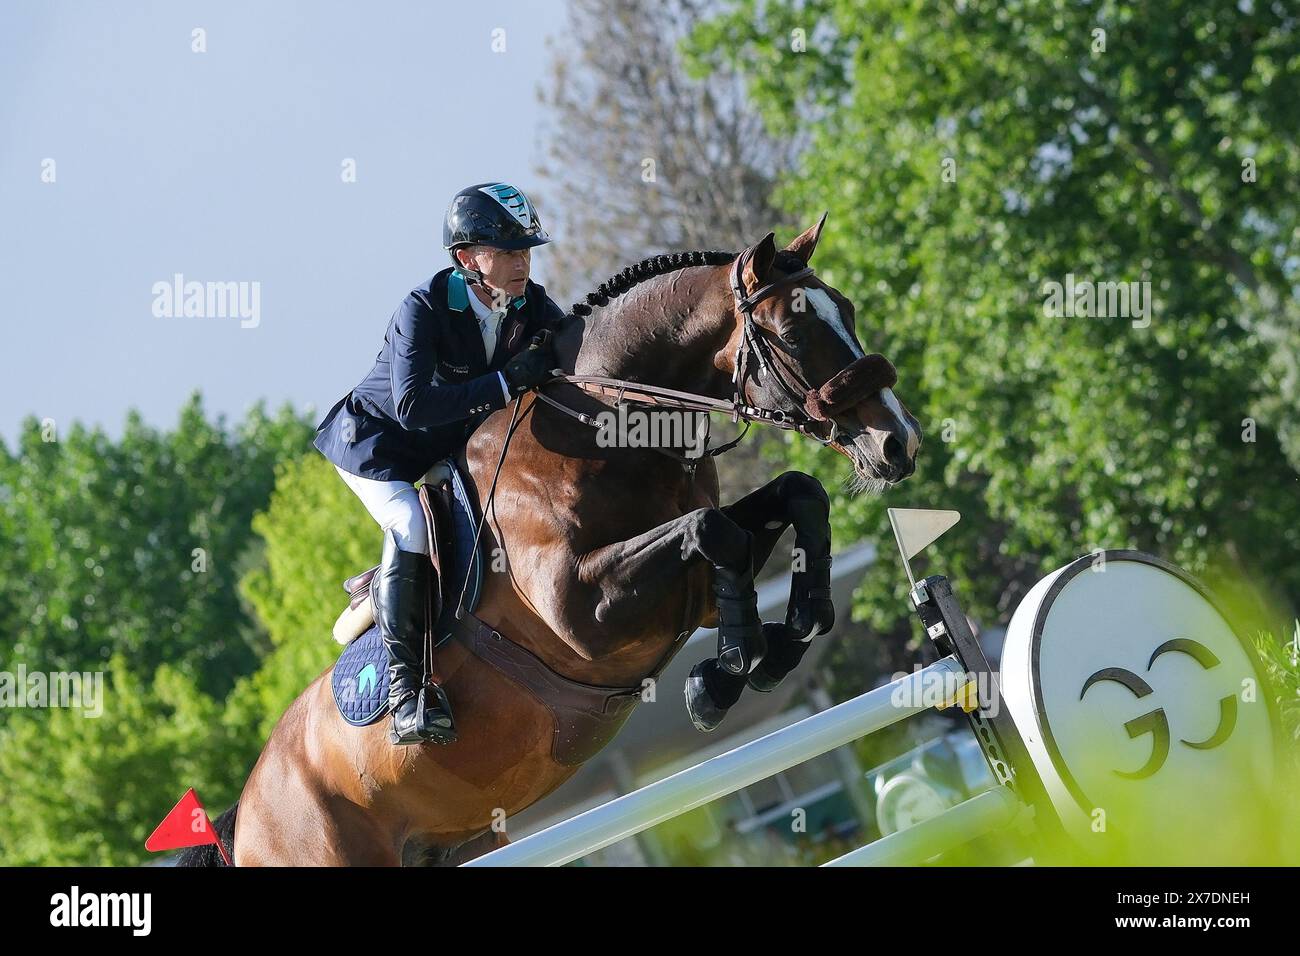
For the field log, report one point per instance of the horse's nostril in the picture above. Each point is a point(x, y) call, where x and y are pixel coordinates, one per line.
point(894, 450)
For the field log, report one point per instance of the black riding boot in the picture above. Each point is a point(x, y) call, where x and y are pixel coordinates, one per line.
point(400, 590)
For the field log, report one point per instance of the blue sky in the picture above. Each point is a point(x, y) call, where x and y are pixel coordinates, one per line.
point(226, 166)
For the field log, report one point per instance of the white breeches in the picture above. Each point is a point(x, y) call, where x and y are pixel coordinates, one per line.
point(396, 506)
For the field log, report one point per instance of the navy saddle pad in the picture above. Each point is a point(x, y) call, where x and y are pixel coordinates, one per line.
point(360, 680)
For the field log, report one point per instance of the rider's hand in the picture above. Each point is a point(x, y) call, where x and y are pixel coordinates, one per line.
point(530, 367)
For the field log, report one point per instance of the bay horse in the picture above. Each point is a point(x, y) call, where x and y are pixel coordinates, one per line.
point(612, 556)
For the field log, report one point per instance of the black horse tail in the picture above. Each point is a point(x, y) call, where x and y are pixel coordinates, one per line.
point(208, 854)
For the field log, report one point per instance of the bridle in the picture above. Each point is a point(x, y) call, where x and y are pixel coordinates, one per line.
point(752, 344)
point(751, 350)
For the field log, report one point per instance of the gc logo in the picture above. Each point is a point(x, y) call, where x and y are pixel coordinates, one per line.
point(1155, 722)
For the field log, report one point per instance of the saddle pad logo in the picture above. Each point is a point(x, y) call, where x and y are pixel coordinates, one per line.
point(367, 679)
point(360, 680)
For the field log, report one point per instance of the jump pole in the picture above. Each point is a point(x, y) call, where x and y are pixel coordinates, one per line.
point(726, 773)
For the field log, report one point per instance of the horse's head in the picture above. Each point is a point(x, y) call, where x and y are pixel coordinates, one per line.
point(801, 356)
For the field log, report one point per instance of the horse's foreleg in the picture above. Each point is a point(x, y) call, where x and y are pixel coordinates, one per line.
point(626, 574)
point(800, 500)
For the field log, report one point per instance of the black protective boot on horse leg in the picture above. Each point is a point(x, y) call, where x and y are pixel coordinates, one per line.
point(810, 611)
point(740, 631)
point(796, 500)
point(400, 591)
point(787, 643)
point(713, 686)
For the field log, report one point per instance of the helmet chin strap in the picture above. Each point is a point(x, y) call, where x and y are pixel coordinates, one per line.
point(464, 271)
point(492, 293)
point(474, 277)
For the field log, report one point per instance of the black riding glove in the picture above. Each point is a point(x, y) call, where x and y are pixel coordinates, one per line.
point(530, 367)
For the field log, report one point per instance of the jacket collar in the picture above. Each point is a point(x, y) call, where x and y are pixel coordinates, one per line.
point(458, 294)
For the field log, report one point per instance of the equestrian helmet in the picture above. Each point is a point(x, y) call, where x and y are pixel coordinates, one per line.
point(491, 214)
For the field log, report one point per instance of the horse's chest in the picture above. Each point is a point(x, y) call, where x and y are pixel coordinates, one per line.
point(512, 749)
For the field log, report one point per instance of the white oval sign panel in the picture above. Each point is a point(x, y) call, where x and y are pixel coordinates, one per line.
point(1143, 711)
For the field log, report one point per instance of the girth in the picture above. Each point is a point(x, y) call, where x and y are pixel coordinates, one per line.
point(587, 716)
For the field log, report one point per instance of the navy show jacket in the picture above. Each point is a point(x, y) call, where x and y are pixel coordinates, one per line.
point(432, 383)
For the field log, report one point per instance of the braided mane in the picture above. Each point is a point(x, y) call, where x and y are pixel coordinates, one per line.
point(654, 266)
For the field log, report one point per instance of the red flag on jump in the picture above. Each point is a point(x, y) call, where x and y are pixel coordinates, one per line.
point(186, 825)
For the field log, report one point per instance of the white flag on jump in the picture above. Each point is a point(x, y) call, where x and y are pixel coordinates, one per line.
point(916, 528)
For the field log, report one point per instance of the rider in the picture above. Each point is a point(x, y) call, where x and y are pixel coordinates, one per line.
point(456, 350)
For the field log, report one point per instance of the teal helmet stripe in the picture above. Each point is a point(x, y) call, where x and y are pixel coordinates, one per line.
point(512, 201)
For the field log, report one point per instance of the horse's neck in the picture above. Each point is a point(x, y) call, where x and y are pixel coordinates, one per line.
point(662, 332)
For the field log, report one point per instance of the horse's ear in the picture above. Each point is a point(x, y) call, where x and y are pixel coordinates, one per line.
point(804, 244)
point(759, 267)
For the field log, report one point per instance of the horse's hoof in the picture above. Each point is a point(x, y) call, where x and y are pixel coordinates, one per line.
point(815, 617)
point(784, 650)
point(705, 715)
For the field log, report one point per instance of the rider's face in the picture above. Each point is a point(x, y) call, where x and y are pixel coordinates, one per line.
point(504, 270)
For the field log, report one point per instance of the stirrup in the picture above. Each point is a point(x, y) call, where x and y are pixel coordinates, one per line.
point(433, 720)
point(435, 715)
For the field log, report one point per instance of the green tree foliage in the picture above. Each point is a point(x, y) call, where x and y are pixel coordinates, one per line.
point(135, 546)
point(87, 790)
point(100, 575)
point(971, 152)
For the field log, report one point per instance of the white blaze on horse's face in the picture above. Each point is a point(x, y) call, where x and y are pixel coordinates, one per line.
point(896, 409)
point(828, 312)
point(826, 309)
